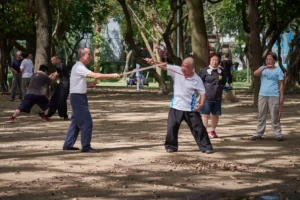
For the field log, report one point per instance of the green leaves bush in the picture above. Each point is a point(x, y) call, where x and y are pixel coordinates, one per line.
point(240, 76)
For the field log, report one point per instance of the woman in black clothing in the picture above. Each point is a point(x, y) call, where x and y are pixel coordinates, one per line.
point(214, 81)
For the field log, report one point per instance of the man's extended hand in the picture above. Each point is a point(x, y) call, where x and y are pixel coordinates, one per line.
point(115, 75)
point(150, 61)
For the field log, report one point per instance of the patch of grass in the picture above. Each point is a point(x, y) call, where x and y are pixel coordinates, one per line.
point(241, 85)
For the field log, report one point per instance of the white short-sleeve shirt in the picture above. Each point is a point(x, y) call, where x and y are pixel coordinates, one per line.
point(27, 66)
point(78, 78)
point(185, 90)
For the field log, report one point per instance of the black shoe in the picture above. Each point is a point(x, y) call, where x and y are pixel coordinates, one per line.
point(208, 151)
point(280, 138)
point(90, 150)
point(66, 118)
point(171, 150)
point(70, 148)
point(256, 137)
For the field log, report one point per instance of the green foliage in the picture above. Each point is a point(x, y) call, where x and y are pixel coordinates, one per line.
point(9, 77)
point(17, 19)
point(240, 76)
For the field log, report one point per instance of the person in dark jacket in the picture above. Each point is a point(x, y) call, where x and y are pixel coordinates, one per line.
point(227, 68)
point(58, 101)
point(17, 76)
point(214, 81)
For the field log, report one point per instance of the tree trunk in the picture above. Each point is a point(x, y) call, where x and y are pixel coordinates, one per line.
point(43, 40)
point(157, 56)
point(4, 55)
point(255, 57)
point(135, 51)
point(97, 30)
point(198, 33)
point(126, 68)
point(293, 60)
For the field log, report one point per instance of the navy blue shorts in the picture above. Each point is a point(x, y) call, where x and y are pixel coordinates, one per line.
point(213, 107)
point(31, 99)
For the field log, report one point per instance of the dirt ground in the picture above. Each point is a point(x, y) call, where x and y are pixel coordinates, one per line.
point(129, 131)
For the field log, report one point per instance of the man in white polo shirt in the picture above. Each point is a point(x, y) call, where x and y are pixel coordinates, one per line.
point(184, 105)
point(81, 119)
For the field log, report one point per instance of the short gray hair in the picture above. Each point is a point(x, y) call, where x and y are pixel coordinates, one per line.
point(81, 51)
point(190, 60)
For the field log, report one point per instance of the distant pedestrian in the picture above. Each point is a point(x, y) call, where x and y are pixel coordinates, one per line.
point(26, 69)
point(138, 78)
point(17, 76)
point(81, 119)
point(227, 67)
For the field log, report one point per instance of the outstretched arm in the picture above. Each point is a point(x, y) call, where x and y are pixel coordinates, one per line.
point(153, 62)
point(100, 76)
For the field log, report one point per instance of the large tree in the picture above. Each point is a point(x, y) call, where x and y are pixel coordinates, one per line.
point(16, 23)
point(198, 33)
point(135, 50)
point(44, 27)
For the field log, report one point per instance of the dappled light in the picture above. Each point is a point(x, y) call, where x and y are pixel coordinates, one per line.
point(129, 130)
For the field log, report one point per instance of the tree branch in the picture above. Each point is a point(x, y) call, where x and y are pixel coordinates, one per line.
point(18, 46)
point(178, 24)
point(244, 17)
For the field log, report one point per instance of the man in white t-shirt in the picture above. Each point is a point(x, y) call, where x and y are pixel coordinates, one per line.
point(26, 70)
point(184, 105)
point(81, 119)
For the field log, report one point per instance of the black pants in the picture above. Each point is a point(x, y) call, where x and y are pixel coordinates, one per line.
point(59, 98)
point(228, 76)
point(194, 121)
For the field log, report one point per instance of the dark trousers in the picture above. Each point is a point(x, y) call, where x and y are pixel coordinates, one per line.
point(228, 76)
point(59, 98)
point(16, 82)
point(194, 121)
point(81, 120)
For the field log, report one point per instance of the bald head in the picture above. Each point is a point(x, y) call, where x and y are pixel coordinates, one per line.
point(189, 61)
point(188, 67)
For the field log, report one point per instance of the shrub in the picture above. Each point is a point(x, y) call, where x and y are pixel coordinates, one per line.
point(240, 76)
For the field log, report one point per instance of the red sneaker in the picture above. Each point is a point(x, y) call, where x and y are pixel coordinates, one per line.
point(212, 134)
point(46, 118)
point(10, 120)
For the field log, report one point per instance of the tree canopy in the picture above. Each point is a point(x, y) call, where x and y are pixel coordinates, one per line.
point(177, 25)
